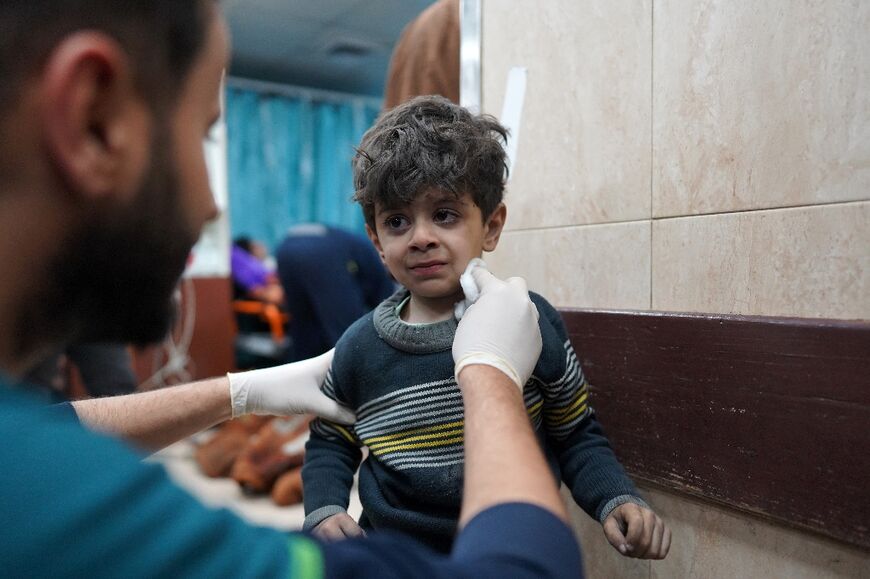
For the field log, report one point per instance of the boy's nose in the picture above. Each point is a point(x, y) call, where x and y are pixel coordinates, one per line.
point(423, 237)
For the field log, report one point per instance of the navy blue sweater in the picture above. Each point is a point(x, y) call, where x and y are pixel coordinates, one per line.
point(398, 378)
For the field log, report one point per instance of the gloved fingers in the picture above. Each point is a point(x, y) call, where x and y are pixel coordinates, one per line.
point(484, 279)
point(324, 360)
point(327, 408)
point(518, 283)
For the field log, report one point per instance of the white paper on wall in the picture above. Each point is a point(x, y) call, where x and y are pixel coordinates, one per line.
point(512, 112)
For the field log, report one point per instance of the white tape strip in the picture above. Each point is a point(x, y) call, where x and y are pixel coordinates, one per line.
point(512, 111)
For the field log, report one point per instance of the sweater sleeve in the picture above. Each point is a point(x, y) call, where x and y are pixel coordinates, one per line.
point(589, 467)
point(332, 456)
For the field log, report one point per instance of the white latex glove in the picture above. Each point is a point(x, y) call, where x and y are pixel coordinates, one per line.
point(500, 329)
point(288, 389)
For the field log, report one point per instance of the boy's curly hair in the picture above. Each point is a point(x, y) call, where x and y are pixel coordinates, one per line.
point(430, 142)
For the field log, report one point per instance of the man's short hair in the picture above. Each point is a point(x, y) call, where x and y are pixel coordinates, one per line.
point(161, 37)
point(430, 142)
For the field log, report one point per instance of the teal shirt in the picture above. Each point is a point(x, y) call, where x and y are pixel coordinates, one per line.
point(77, 504)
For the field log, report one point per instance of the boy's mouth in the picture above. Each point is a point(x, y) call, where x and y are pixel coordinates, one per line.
point(427, 268)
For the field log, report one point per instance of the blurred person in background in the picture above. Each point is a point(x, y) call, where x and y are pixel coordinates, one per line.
point(330, 277)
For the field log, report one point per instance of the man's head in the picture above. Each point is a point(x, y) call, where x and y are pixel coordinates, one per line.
point(103, 112)
point(430, 178)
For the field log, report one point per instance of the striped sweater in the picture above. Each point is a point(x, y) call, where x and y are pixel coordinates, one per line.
point(398, 378)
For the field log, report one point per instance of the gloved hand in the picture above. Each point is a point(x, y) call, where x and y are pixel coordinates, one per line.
point(500, 329)
point(288, 389)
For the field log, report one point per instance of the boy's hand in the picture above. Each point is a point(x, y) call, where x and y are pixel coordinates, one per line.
point(337, 527)
point(637, 532)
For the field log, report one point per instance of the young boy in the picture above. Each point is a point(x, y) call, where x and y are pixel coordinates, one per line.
point(430, 179)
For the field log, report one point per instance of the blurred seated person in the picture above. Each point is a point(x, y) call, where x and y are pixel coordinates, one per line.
point(252, 277)
point(331, 278)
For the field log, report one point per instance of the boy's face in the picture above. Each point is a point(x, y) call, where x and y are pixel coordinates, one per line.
point(427, 244)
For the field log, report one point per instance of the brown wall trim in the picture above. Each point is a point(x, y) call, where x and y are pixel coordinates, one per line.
point(765, 415)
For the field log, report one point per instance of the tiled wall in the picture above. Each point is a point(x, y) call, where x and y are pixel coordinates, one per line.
point(692, 155)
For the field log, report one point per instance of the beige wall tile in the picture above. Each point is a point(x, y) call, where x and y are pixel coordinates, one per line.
point(807, 262)
point(596, 266)
point(759, 104)
point(584, 143)
point(710, 542)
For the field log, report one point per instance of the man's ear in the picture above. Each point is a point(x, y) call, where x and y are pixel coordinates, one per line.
point(373, 235)
point(493, 227)
point(95, 126)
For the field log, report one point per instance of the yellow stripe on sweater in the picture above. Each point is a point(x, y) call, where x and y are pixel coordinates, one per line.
point(434, 435)
point(580, 398)
point(430, 444)
point(413, 431)
point(570, 417)
point(343, 431)
point(535, 409)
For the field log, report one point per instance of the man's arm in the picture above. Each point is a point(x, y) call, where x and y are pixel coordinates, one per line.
point(153, 420)
point(503, 460)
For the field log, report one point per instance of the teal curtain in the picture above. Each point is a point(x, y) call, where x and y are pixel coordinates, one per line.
point(288, 161)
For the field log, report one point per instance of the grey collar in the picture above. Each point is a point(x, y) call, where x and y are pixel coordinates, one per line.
point(413, 338)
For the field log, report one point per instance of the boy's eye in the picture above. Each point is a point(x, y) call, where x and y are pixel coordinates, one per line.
point(395, 222)
point(445, 216)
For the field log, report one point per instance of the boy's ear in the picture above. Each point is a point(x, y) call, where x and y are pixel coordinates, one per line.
point(96, 128)
point(373, 235)
point(493, 227)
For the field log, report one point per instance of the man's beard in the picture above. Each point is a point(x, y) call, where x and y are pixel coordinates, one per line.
point(114, 277)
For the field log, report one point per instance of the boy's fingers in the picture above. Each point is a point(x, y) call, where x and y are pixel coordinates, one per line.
point(634, 521)
point(655, 545)
point(666, 542)
point(614, 535)
point(328, 532)
point(642, 547)
point(350, 528)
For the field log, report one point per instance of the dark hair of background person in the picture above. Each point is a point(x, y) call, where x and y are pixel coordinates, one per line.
point(162, 37)
point(244, 242)
point(430, 142)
